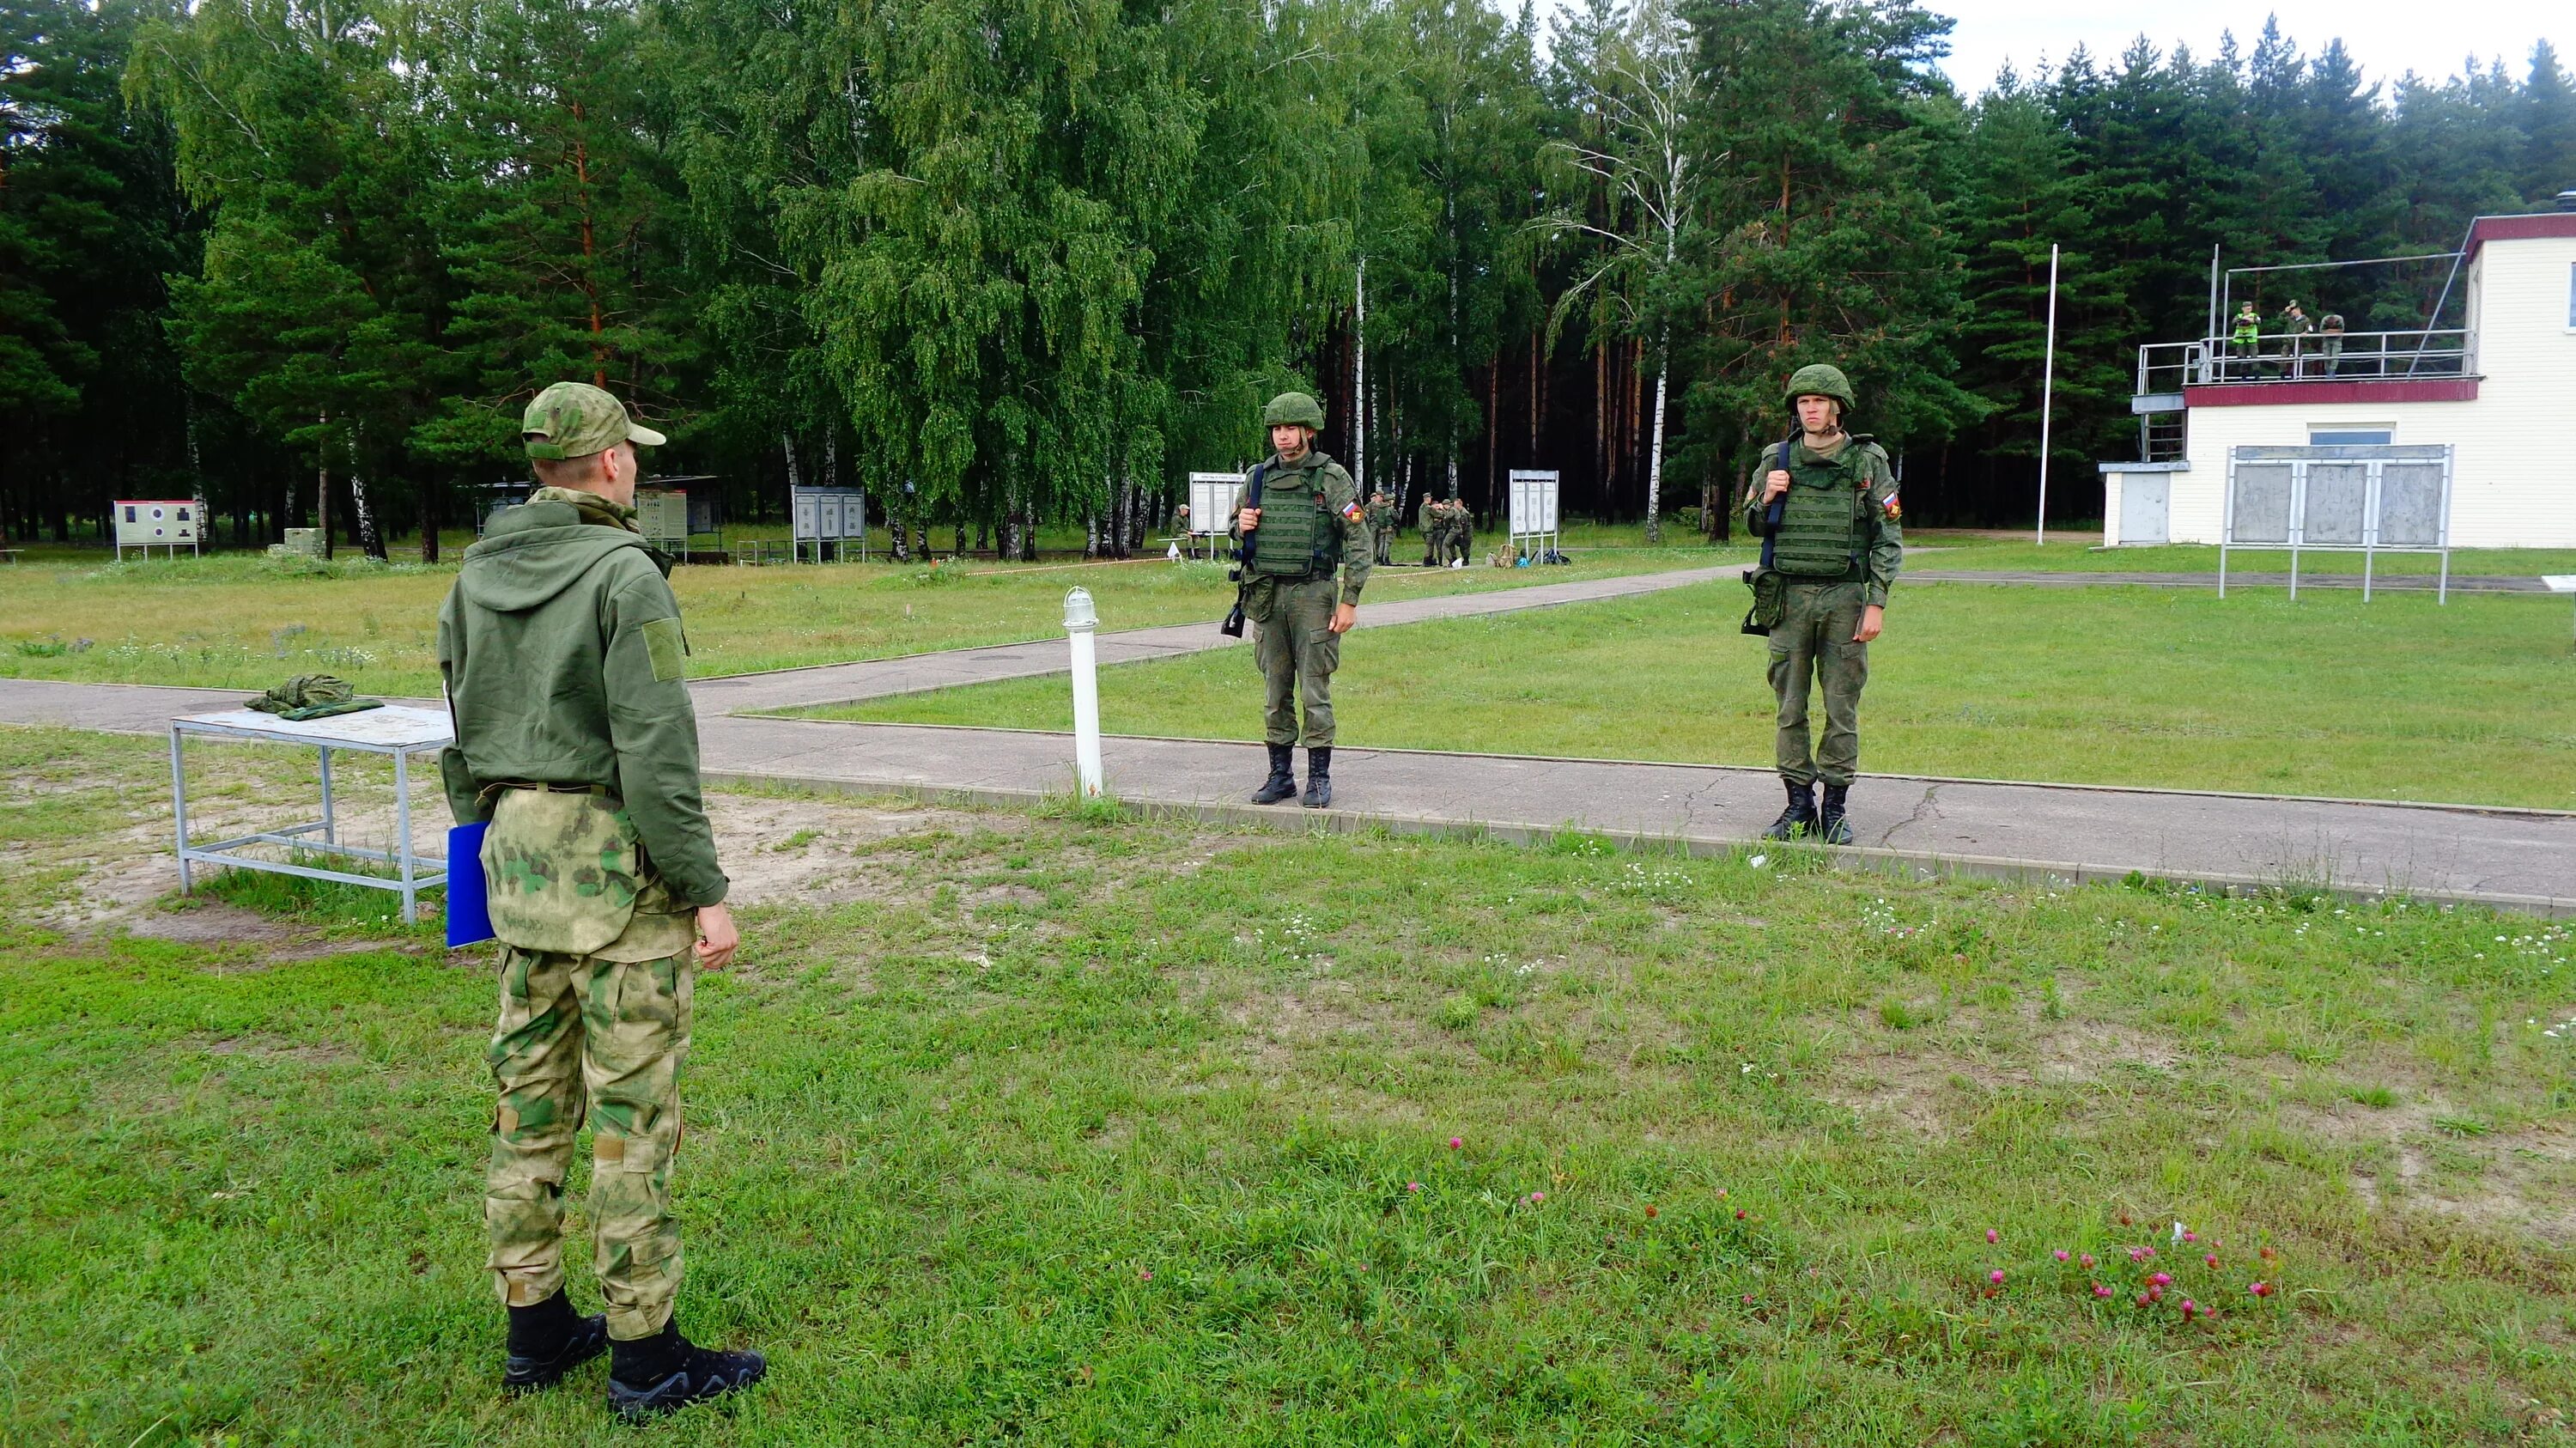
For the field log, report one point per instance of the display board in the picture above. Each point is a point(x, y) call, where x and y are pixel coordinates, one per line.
point(155, 523)
point(662, 516)
point(827, 518)
point(2367, 499)
point(1212, 499)
point(1533, 511)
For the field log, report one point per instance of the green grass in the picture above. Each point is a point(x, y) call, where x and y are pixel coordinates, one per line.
point(1088, 1129)
point(240, 621)
point(2397, 698)
point(2080, 551)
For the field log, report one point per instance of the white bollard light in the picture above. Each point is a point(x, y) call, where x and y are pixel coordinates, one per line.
point(1080, 618)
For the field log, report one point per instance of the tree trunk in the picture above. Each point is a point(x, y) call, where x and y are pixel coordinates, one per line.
point(322, 485)
point(430, 488)
point(1655, 460)
point(372, 543)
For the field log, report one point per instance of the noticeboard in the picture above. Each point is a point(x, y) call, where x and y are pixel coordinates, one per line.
point(155, 523)
point(1533, 501)
point(1212, 499)
point(827, 514)
point(662, 516)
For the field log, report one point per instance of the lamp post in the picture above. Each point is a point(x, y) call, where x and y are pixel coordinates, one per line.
point(1080, 618)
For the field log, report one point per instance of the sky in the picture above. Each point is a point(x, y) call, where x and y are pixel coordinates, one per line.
point(2387, 37)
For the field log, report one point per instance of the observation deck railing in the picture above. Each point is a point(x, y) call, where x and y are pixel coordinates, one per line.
point(2166, 368)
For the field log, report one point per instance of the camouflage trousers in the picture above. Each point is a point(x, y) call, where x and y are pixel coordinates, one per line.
point(1297, 652)
point(582, 1036)
point(1813, 645)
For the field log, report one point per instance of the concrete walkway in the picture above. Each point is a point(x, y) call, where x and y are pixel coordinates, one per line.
point(2513, 859)
point(878, 678)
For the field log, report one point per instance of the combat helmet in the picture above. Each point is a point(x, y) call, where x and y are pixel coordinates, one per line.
point(1821, 379)
point(1293, 407)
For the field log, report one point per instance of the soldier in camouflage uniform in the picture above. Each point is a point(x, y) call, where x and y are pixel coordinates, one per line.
point(1308, 525)
point(1381, 522)
point(1428, 518)
point(1462, 532)
point(1838, 544)
point(565, 665)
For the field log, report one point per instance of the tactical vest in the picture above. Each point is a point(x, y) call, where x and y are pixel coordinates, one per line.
point(1295, 535)
point(1820, 521)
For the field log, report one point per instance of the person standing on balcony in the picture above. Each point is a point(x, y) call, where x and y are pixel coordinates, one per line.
point(2246, 336)
point(2296, 326)
point(2330, 343)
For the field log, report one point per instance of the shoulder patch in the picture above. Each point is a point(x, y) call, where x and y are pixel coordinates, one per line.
point(669, 648)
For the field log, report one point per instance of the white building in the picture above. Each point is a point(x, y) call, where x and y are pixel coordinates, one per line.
point(2500, 393)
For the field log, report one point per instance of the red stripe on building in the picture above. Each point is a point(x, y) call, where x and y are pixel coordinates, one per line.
point(2271, 394)
point(2540, 226)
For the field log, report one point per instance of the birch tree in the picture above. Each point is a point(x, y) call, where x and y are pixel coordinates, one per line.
point(1640, 90)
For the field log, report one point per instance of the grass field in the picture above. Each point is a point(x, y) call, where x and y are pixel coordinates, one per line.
point(241, 621)
point(1066, 1130)
point(2078, 552)
point(2398, 698)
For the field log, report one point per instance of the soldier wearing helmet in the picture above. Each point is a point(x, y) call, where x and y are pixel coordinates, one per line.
point(1824, 505)
point(1300, 522)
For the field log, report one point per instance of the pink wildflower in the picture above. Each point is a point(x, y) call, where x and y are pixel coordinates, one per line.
point(2188, 1308)
point(1144, 1274)
point(2100, 1290)
point(2086, 1261)
point(2261, 1289)
point(1413, 1186)
point(1537, 1197)
point(1993, 1236)
point(2161, 1279)
point(1456, 1142)
point(2211, 1259)
point(1996, 1277)
point(2144, 1299)
point(2059, 1254)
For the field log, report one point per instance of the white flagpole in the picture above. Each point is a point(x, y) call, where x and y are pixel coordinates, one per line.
point(2047, 393)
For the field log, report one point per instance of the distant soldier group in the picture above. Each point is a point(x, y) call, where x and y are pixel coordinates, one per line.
point(1448, 532)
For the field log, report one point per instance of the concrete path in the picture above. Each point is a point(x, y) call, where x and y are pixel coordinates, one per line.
point(878, 678)
point(2514, 859)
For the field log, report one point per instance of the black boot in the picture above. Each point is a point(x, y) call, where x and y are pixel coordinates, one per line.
point(664, 1372)
point(1799, 819)
point(1283, 778)
point(1319, 777)
point(548, 1341)
point(1831, 826)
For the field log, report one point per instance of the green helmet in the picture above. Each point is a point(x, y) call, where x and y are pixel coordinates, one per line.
point(1821, 379)
point(1294, 407)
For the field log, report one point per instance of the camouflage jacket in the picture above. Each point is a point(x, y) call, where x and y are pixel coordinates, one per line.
point(566, 665)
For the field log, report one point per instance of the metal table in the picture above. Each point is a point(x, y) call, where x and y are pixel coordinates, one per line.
point(396, 730)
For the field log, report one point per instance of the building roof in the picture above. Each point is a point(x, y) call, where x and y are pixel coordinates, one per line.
point(2535, 226)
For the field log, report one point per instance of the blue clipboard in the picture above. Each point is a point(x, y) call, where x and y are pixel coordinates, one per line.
point(469, 918)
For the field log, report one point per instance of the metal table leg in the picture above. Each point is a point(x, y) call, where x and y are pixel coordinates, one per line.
point(330, 830)
point(402, 833)
point(179, 807)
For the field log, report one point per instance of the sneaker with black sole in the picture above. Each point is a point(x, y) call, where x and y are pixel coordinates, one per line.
point(548, 1341)
point(666, 1372)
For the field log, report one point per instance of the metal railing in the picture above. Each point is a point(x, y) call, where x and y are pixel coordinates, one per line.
point(2167, 367)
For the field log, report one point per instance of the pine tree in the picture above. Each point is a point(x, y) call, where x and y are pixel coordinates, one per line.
point(2547, 116)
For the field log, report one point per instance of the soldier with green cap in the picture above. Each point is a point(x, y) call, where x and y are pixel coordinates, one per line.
point(1824, 504)
point(1381, 522)
point(1300, 519)
point(565, 665)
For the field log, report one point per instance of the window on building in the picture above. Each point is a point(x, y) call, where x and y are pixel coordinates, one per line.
point(2351, 436)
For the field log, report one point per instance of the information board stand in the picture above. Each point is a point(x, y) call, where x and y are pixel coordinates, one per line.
point(1534, 532)
point(828, 517)
point(155, 523)
point(1212, 499)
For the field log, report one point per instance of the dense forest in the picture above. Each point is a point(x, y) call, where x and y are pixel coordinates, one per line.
point(1010, 263)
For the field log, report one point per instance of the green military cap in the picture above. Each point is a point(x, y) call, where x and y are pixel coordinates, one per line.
point(575, 419)
point(1293, 407)
point(1821, 379)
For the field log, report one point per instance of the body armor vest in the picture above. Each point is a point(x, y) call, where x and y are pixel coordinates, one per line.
point(1294, 536)
point(1820, 522)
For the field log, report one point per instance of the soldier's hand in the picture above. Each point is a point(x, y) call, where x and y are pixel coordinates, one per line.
point(1251, 519)
point(1344, 616)
point(1774, 483)
point(717, 939)
point(1872, 619)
